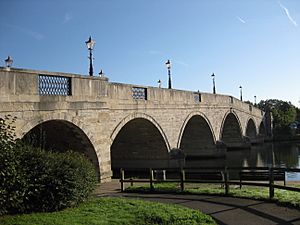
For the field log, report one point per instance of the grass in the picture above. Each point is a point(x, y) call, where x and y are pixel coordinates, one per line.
point(110, 211)
point(282, 197)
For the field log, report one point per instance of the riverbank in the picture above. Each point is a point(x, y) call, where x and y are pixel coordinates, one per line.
point(284, 139)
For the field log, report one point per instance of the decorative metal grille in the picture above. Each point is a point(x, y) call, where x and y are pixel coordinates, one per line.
point(54, 85)
point(139, 93)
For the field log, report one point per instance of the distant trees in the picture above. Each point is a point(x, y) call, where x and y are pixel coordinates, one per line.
point(284, 113)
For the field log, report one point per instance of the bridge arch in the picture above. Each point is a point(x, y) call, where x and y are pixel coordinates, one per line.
point(196, 136)
point(138, 141)
point(136, 116)
point(251, 130)
point(60, 132)
point(231, 130)
point(262, 129)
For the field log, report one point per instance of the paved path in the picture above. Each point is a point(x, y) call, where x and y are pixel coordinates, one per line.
point(225, 210)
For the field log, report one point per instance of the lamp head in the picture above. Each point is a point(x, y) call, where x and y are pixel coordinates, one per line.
point(168, 64)
point(90, 43)
point(9, 61)
point(101, 73)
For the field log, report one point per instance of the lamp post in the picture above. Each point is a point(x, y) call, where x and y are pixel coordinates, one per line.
point(241, 93)
point(9, 61)
point(254, 99)
point(168, 64)
point(159, 83)
point(214, 83)
point(90, 45)
point(101, 73)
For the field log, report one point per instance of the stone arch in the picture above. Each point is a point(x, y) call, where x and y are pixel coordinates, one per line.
point(138, 142)
point(56, 116)
point(186, 122)
point(262, 129)
point(251, 130)
point(197, 138)
point(61, 132)
point(231, 131)
point(135, 116)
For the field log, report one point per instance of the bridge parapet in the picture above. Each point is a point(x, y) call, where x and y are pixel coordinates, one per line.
point(36, 83)
point(167, 97)
point(33, 85)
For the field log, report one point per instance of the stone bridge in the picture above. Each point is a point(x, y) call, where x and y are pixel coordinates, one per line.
point(120, 125)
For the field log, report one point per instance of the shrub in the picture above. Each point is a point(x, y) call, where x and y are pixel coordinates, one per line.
point(12, 185)
point(33, 179)
point(57, 180)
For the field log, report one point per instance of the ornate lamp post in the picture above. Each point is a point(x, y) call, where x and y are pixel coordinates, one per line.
point(90, 45)
point(9, 61)
point(214, 83)
point(241, 93)
point(254, 99)
point(168, 64)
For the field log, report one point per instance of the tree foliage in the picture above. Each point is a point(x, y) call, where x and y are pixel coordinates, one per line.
point(12, 184)
point(33, 179)
point(298, 114)
point(284, 113)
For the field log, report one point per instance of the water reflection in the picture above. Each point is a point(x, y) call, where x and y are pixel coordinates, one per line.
point(268, 154)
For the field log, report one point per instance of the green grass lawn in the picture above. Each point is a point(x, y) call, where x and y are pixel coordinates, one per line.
point(111, 211)
point(288, 198)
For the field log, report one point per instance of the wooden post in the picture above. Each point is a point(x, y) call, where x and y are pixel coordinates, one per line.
point(271, 183)
point(240, 175)
point(182, 179)
point(122, 179)
point(151, 179)
point(226, 176)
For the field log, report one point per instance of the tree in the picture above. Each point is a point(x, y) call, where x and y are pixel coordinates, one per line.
point(284, 113)
point(298, 114)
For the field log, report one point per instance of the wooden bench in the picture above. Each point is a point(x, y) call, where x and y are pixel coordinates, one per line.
point(261, 176)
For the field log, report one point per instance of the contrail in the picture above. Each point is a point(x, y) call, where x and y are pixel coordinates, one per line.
point(240, 19)
point(288, 14)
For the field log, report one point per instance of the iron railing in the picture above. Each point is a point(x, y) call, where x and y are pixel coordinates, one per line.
point(54, 85)
point(139, 93)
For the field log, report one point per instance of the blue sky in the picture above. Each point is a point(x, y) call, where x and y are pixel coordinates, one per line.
point(252, 43)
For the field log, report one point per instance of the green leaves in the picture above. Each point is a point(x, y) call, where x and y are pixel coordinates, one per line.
point(284, 113)
point(33, 179)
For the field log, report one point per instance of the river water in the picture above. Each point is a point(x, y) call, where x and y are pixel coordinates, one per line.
point(268, 154)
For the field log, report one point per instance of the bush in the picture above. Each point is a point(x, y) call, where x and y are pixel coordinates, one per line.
point(33, 179)
point(12, 185)
point(56, 180)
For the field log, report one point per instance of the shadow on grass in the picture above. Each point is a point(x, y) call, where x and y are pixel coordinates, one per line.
point(282, 197)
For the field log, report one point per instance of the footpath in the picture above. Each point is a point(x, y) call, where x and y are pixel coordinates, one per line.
point(225, 210)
